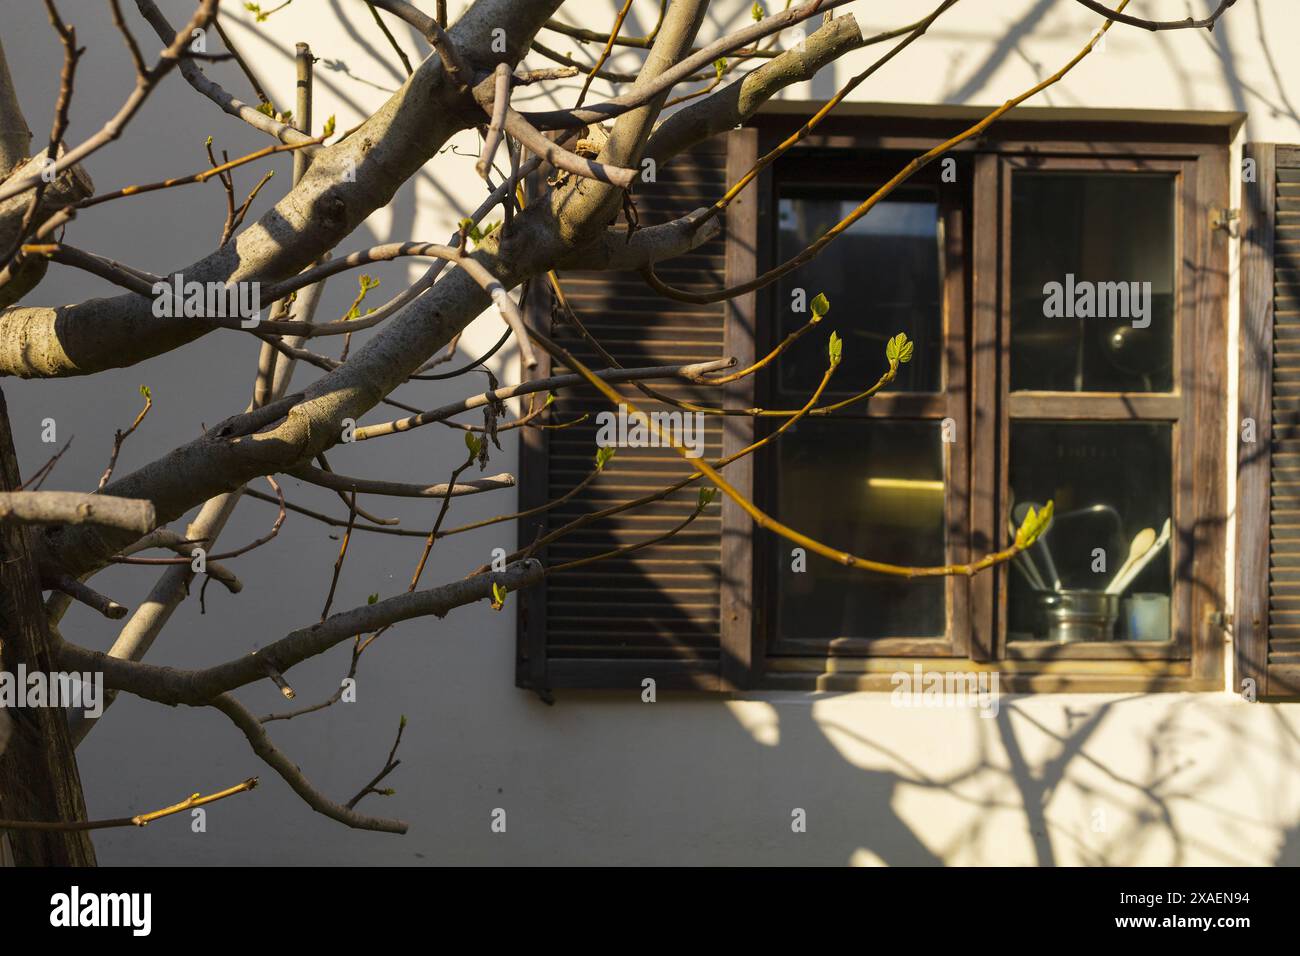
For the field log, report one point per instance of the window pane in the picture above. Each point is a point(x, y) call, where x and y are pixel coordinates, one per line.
point(1109, 481)
point(875, 489)
point(1092, 282)
point(882, 277)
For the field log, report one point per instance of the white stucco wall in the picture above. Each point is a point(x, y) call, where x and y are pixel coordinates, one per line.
point(600, 778)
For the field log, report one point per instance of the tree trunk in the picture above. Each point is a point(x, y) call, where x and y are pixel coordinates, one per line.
point(38, 770)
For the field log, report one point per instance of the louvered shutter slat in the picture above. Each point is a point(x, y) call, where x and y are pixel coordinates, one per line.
point(1268, 570)
point(654, 611)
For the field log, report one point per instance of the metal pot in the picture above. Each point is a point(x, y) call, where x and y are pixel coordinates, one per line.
point(1067, 616)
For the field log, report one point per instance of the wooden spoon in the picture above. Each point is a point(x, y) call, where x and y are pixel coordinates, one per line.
point(1141, 544)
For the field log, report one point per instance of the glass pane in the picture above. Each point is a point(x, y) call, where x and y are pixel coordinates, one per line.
point(875, 489)
point(882, 277)
point(1111, 482)
point(1092, 282)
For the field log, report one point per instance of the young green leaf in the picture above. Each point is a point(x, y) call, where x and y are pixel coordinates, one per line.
point(373, 599)
point(757, 11)
point(473, 444)
point(720, 66)
point(603, 455)
point(498, 596)
point(1035, 524)
point(328, 131)
point(898, 350)
point(820, 306)
point(835, 349)
point(144, 390)
point(706, 497)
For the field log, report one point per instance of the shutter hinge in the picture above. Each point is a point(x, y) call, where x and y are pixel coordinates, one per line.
point(1220, 620)
point(1229, 220)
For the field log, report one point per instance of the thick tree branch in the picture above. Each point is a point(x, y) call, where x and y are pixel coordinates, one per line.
point(15, 136)
point(615, 251)
point(167, 685)
point(70, 187)
point(76, 508)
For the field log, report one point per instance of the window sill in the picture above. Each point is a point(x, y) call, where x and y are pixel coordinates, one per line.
point(1129, 675)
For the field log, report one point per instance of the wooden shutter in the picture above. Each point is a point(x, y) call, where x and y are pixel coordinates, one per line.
point(1267, 613)
point(654, 613)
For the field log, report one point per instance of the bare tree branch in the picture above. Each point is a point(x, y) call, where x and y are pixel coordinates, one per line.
point(76, 508)
point(398, 489)
point(167, 685)
point(1191, 23)
point(262, 745)
point(213, 91)
point(139, 820)
point(15, 137)
point(79, 591)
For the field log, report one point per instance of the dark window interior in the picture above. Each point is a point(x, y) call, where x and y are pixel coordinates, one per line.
point(1098, 228)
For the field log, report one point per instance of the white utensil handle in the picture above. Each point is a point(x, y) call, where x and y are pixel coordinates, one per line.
point(1126, 577)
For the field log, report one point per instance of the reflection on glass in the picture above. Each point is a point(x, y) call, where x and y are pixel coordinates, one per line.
point(882, 277)
point(1092, 282)
point(1111, 484)
point(875, 489)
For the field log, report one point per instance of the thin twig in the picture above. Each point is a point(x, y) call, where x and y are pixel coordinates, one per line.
point(392, 40)
point(120, 437)
point(343, 552)
point(139, 820)
point(44, 471)
point(390, 765)
point(604, 54)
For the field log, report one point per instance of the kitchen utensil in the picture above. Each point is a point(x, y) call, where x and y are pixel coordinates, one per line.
point(1146, 616)
point(1066, 516)
point(1137, 567)
point(1139, 546)
point(1069, 616)
point(1034, 582)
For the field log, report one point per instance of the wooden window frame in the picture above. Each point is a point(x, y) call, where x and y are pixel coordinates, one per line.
point(933, 407)
point(1193, 660)
point(1175, 408)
